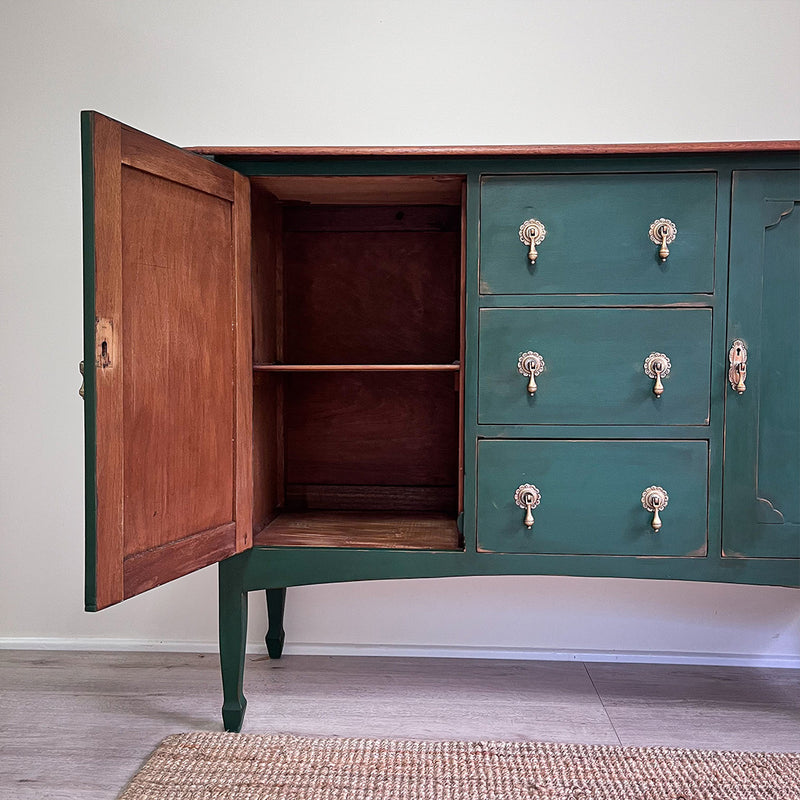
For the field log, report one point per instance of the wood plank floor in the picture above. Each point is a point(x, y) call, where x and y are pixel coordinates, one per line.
point(79, 725)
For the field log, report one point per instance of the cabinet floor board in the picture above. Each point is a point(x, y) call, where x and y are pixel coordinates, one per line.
point(79, 725)
point(361, 529)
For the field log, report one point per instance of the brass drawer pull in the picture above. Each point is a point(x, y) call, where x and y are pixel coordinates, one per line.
point(532, 232)
point(527, 496)
point(81, 390)
point(657, 366)
point(663, 232)
point(737, 358)
point(530, 364)
point(655, 499)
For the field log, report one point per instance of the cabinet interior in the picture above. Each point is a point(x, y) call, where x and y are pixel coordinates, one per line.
point(358, 295)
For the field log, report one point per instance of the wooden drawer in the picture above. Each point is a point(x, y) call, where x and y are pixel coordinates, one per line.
point(594, 366)
point(597, 233)
point(591, 497)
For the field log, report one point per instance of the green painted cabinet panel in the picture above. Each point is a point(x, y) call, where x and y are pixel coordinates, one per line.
point(597, 233)
point(591, 497)
point(761, 495)
point(594, 366)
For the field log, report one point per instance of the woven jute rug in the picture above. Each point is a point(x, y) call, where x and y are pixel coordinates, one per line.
point(207, 766)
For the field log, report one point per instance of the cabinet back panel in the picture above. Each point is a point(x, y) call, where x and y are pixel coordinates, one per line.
point(372, 285)
point(371, 498)
point(372, 429)
point(178, 406)
point(266, 276)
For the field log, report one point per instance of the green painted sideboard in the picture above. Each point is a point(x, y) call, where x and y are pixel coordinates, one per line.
point(315, 365)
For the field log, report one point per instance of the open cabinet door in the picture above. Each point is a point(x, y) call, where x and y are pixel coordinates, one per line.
point(168, 383)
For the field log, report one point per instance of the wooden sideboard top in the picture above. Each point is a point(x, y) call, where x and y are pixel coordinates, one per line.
point(480, 151)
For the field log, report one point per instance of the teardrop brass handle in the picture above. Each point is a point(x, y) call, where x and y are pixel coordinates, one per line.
point(657, 366)
point(663, 232)
point(532, 365)
point(654, 500)
point(737, 372)
point(528, 497)
point(532, 232)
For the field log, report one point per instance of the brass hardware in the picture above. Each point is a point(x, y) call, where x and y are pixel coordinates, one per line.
point(532, 232)
point(80, 391)
point(527, 496)
point(657, 366)
point(530, 364)
point(737, 357)
point(655, 499)
point(663, 232)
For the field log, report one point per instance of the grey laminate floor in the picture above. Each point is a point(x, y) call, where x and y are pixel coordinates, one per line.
point(78, 725)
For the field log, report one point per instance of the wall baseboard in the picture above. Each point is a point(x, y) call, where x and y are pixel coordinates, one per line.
point(773, 660)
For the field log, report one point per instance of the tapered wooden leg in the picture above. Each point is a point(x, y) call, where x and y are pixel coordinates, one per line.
point(276, 602)
point(232, 642)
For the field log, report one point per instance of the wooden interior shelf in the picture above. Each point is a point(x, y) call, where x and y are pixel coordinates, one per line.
point(368, 529)
point(356, 367)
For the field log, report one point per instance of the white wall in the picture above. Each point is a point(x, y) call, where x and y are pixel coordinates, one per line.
point(411, 72)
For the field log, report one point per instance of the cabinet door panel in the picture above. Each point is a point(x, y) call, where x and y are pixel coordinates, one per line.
point(168, 402)
point(594, 366)
point(591, 497)
point(761, 513)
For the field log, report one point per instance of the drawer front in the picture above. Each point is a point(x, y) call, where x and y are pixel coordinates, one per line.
point(591, 497)
point(594, 366)
point(597, 233)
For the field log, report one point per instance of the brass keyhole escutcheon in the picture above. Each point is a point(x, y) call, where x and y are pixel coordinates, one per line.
point(531, 233)
point(662, 233)
point(528, 497)
point(657, 366)
point(654, 500)
point(532, 365)
point(737, 372)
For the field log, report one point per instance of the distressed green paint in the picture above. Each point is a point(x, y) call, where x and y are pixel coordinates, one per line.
point(89, 396)
point(593, 300)
point(594, 366)
point(598, 233)
point(761, 515)
point(232, 642)
point(276, 635)
point(591, 495)
point(470, 525)
point(308, 566)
